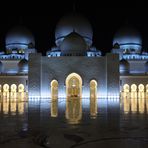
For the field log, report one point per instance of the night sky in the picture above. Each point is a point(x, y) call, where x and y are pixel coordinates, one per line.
point(105, 22)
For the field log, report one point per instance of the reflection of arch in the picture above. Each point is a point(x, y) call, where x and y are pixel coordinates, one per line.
point(21, 88)
point(141, 88)
point(126, 88)
point(73, 110)
point(13, 88)
point(5, 88)
point(54, 89)
point(54, 108)
point(133, 88)
point(93, 88)
point(147, 88)
point(73, 85)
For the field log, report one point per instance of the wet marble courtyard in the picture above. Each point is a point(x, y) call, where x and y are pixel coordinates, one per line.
point(77, 123)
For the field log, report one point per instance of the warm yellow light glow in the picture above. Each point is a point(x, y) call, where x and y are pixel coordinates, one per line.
point(54, 108)
point(20, 108)
point(126, 105)
point(147, 88)
point(54, 89)
point(133, 88)
point(141, 88)
point(134, 105)
point(21, 88)
point(126, 88)
point(13, 88)
point(141, 105)
point(93, 89)
point(5, 88)
point(0, 88)
point(74, 110)
point(73, 86)
point(5, 107)
point(93, 107)
point(13, 108)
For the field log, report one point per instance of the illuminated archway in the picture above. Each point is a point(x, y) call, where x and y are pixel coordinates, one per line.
point(93, 89)
point(73, 86)
point(54, 89)
point(126, 88)
point(21, 88)
point(0, 88)
point(13, 88)
point(141, 88)
point(133, 88)
point(5, 88)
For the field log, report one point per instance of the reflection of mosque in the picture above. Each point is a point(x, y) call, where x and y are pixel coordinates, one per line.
point(74, 67)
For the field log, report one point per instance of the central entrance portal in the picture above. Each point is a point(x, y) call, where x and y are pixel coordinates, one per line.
point(73, 86)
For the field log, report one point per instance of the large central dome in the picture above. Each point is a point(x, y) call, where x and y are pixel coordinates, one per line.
point(73, 44)
point(73, 22)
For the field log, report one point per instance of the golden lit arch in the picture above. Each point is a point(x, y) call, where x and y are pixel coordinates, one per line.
point(133, 88)
point(13, 88)
point(21, 88)
point(0, 88)
point(141, 88)
point(73, 85)
point(54, 89)
point(93, 89)
point(126, 88)
point(5, 88)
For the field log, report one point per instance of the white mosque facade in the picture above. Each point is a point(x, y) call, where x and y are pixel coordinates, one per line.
point(73, 68)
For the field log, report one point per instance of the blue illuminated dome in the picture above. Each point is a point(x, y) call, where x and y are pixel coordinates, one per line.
point(73, 22)
point(129, 39)
point(19, 38)
point(124, 66)
point(73, 44)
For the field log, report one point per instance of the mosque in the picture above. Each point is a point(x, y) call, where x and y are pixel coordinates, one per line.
point(74, 67)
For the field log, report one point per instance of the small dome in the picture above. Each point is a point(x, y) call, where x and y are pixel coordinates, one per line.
point(128, 38)
point(23, 65)
point(19, 38)
point(124, 66)
point(73, 44)
point(146, 67)
point(1, 66)
point(71, 22)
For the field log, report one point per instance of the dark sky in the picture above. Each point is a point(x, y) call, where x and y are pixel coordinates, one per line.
point(105, 22)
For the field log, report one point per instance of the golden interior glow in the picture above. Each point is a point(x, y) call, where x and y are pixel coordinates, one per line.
point(13, 88)
point(141, 88)
point(133, 88)
point(54, 89)
point(73, 110)
point(5, 88)
point(73, 86)
point(21, 88)
point(126, 88)
point(93, 89)
point(20, 108)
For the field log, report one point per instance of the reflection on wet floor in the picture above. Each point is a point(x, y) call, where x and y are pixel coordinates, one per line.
point(13, 103)
point(134, 102)
point(73, 110)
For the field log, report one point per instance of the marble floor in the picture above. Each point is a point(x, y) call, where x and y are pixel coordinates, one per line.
point(74, 124)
